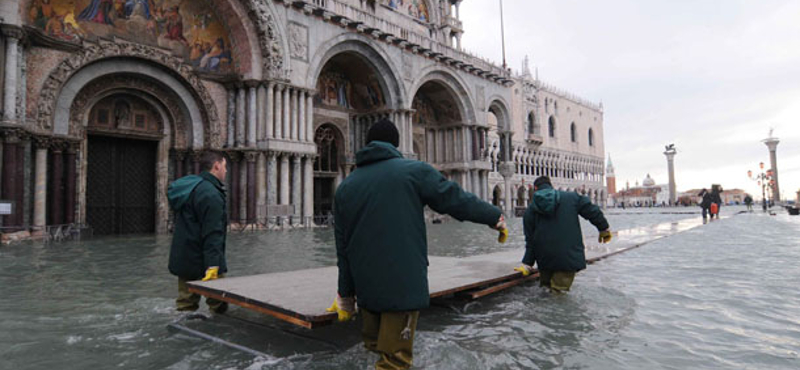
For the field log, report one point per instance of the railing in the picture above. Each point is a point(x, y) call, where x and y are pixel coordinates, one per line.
point(66, 232)
point(369, 20)
point(453, 22)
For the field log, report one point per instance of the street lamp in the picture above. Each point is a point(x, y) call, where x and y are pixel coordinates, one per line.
point(762, 179)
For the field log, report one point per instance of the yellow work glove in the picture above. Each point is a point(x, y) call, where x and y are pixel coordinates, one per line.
point(501, 227)
point(212, 273)
point(345, 308)
point(605, 236)
point(503, 235)
point(524, 269)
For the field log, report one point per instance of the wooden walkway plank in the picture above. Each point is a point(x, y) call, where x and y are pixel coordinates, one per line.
point(300, 297)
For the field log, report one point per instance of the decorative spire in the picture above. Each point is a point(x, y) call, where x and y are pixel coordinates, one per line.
point(609, 167)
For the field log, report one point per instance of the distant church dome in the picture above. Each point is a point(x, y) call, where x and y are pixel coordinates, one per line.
point(648, 181)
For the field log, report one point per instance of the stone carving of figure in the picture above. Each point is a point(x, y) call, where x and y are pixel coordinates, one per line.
point(122, 115)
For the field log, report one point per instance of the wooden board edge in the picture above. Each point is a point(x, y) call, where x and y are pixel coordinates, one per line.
point(309, 322)
point(479, 284)
point(502, 286)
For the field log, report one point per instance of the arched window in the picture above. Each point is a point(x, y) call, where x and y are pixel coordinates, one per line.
point(573, 134)
point(551, 127)
point(533, 128)
point(591, 137)
point(327, 149)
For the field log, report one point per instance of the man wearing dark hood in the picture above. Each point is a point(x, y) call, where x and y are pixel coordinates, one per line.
point(705, 202)
point(553, 238)
point(381, 243)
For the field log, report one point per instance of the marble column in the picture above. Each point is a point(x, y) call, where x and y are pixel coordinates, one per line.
point(293, 114)
point(233, 166)
point(231, 118)
point(308, 190)
point(484, 184)
point(243, 189)
point(196, 161)
point(252, 115)
point(284, 178)
point(251, 186)
point(272, 182)
point(310, 117)
point(301, 119)
point(269, 111)
point(40, 192)
point(278, 111)
point(287, 119)
point(261, 100)
point(10, 79)
point(10, 176)
point(241, 112)
point(70, 183)
point(180, 157)
point(297, 189)
point(261, 188)
point(56, 184)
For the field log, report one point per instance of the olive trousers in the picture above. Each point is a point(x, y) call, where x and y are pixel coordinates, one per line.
point(391, 335)
point(188, 301)
point(557, 281)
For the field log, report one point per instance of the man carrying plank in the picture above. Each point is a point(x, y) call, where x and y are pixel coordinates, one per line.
point(381, 243)
point(553, 237)
point(201, 224)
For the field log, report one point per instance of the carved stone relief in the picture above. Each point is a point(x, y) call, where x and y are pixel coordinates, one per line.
point(298, 41)
point(268, 39)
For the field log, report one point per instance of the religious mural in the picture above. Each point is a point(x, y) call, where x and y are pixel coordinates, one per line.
point(336, 90)
point(417, 9)
point(430, 112)
point(187, 27)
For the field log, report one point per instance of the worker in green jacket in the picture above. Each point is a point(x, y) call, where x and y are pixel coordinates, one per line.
point(381, 243)
point(201, 224)
point(553, 238)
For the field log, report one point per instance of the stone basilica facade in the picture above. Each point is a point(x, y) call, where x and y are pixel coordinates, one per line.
point(105, 102)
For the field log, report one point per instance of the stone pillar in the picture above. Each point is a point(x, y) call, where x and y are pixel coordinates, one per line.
point(69, 185)
point(10, 79)
point(670, 153)
point(272, 178)
point(308, 190)
point(234, 185)
point(231, 121)
point(243, 189)
point(507, 171)
point(287, 120)
point(251, 186)
point(772, 145)
point(180, 157)
point(261, 188)
point(301, 119)
point(261, 105)
point(252, 115)
point(241, 112)
point(269, 111)
point(9, 178)
point(196, 161)
point(284, 179)
point(40, 193)
point(293, 114)
point(310, 117)
point(56, 184)
point(279, 111)
point(297, 189)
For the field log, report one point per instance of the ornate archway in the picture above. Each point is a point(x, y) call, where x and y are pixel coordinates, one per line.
point(328, 169)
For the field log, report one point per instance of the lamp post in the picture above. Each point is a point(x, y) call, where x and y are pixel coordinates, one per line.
point(763, 179)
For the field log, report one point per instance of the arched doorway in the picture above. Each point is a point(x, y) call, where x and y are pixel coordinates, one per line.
point(497, 196)
point(123, 133)
point(327, 167)
point(437, 119)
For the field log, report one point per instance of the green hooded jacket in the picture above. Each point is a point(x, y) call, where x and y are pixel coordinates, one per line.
point(201, 224)
point(553, 237)
point(381, 242)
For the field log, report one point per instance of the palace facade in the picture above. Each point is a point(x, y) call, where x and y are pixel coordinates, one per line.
point(105, 102)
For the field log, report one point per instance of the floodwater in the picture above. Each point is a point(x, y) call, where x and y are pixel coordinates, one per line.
point(720, 296)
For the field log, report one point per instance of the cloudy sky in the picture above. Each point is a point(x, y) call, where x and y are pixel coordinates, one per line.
point(710, 76)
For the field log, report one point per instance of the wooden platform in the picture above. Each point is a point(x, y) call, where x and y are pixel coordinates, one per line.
point(300, 297)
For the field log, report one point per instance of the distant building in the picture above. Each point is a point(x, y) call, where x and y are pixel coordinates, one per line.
point(611, 179)
point(647, 195)
point(729, 196)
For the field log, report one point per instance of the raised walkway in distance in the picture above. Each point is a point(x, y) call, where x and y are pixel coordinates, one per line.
point(300, 297)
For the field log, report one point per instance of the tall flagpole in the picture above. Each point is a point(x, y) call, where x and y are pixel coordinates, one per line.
point(502, 34)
